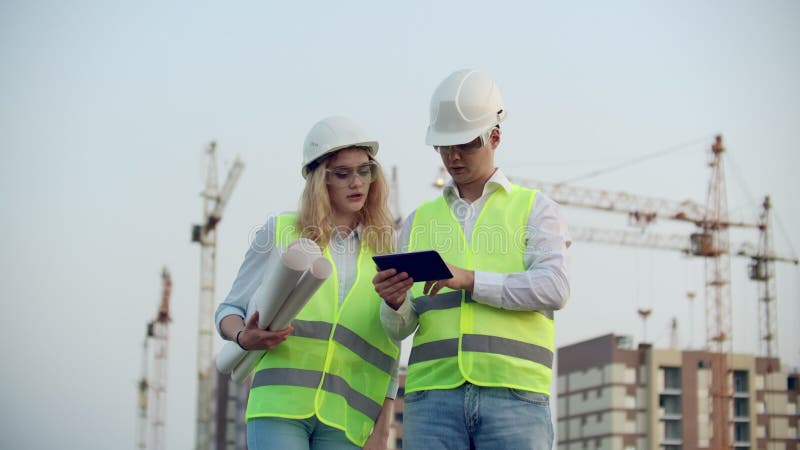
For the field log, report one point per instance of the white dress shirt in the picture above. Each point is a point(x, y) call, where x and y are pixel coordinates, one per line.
point(542, 286)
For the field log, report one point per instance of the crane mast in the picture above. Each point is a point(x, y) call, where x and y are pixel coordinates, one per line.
point(718, 295)
point(214, 201)
point(143, 387)
point(152, 401)
point(762, 269)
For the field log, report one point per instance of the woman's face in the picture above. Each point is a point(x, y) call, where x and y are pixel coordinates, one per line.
point(347, 187)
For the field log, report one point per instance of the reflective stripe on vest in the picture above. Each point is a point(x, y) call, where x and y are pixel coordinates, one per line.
point(310, 379)
point(336, 364)
point(346, 337)
point(462, 340)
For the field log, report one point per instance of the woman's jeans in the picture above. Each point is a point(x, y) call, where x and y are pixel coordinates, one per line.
point(295, 434)
point(477, 418)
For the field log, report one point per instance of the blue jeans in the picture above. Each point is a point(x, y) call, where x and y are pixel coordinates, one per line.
point(477, 418)
point(295, 434)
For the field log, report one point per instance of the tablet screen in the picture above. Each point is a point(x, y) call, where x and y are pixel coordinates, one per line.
point(421, 266)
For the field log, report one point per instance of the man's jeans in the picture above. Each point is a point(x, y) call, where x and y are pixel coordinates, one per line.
point(477, 418)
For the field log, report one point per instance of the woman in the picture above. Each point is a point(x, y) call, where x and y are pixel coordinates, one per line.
point(328, 380)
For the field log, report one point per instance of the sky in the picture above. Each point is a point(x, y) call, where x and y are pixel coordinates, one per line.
point(107, 109)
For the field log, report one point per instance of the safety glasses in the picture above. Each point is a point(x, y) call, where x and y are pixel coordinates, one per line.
point(342, 175)
point(465, 149)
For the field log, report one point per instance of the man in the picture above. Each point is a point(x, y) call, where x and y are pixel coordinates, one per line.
point(480, 367)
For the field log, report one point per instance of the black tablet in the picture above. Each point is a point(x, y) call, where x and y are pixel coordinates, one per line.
point(421, 266)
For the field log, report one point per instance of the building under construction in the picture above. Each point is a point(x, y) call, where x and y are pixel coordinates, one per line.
point(612, 395)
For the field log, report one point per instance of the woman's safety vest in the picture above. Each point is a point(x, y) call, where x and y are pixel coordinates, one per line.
point(461, 340)
point(336, 364)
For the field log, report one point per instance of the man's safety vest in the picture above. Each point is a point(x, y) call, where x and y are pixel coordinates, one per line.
point(336, 364)
point(462, 340)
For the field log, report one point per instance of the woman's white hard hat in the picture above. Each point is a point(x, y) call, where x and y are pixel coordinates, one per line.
point(464, 106)
point(332, 134)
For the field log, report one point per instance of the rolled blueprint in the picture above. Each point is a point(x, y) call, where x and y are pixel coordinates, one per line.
point(308, 247)
point(242, 370)
point(311, 280)
point(306, 287)
point(230, 355)
point(279, 280)
point(283, 271)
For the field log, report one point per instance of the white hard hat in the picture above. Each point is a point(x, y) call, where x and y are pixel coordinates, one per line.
point(465, 105)
point(332, 134)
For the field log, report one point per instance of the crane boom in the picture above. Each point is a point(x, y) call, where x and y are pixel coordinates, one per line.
point(641, 210)
point(675, 242)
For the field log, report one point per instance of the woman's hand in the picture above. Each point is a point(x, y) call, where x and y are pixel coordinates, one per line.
point(254, 338)
point(392, 286)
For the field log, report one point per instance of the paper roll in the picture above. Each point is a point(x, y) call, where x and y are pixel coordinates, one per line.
point(229, 357)
point(242, 370)
point(308, 247)
point(286, 288)
point(306, 287)
point(278, 282)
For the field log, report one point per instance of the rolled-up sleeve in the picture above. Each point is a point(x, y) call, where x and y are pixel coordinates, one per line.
point(544, 285)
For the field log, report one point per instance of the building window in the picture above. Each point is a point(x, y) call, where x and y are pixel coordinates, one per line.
point(791, 383)
point(741, 408)
point(672, 378)
point(671, 404)
point(740, 381)
point(741, 432)
point(672, 429)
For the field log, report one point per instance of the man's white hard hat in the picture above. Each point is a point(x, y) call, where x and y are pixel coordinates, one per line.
point(332, 134)
point(464, 106)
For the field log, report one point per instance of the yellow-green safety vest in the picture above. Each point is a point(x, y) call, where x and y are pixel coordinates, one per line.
point(461, 340)
point(336, 364)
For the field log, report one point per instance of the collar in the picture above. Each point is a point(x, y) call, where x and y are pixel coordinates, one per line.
point(496, 181)
point(355, 233)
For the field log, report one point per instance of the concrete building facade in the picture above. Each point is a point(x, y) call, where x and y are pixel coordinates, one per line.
point(612, 396)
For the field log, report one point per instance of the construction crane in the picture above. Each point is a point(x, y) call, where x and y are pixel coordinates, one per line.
point(153, 384)
point(711, 241)
point(762, 269)
point(214, 201)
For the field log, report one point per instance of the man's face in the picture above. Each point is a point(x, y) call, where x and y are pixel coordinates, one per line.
point(470, 162)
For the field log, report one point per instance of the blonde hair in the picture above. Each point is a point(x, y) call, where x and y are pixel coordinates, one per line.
point(313, 218)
